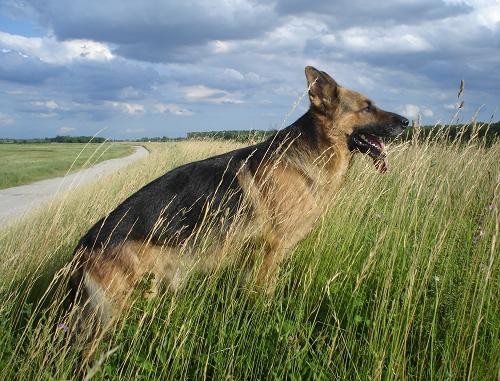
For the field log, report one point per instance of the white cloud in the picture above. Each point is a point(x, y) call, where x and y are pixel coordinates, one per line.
point(49, 50)
point(129, 92)
point(128, 108)
point(6, 119)
point(427, 112)
point(366, 82)
point(172, 109)
point(233, 74)
point(66, 130)
point(200, 92)
point(220, 46)
point(50, 104)
point(398, 40)
point(47, 114)
point(410, 111)
point(487, 12)
point(452, 106)
point(291, 35)
point(254, 77)
point(210, 95)
point(413, 111)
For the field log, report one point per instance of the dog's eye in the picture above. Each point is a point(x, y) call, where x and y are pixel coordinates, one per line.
point(368, 108)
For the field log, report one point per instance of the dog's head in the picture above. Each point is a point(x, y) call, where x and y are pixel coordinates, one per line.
point(349, 115)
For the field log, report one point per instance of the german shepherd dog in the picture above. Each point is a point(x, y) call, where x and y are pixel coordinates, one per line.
point(271, 193)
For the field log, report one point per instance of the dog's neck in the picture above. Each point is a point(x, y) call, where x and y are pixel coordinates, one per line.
point(312, 130)
point(307, 144)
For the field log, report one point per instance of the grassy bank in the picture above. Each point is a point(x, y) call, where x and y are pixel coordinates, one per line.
point(399, 281)
point(25, 163)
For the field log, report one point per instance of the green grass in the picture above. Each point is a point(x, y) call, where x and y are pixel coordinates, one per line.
point(26, 163)
point(400, 281)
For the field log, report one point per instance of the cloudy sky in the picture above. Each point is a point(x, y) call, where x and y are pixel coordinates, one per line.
point(154, 68)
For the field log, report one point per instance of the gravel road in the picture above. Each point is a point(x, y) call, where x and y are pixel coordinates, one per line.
point(16, 201)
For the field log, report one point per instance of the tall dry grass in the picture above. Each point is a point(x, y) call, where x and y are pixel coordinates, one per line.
point(398, 281)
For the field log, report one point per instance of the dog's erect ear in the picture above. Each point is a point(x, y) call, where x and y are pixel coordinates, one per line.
point(322, 87)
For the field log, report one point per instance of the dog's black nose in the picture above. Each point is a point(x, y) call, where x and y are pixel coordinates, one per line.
point(399, 120)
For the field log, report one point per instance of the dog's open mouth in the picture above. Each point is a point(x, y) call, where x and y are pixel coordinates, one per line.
point(373, 146)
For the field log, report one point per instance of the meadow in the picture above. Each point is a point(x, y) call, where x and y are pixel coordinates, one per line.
point(399, 281)
point(26, 163)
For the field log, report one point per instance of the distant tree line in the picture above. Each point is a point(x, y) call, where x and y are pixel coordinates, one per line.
point(57, 139)
point(487, 132)
point(235, 135)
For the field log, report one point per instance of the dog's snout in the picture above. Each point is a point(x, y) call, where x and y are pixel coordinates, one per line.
point(401, 120)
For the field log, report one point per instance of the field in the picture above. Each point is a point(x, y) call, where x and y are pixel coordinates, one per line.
point(25, 163)
point(400, 281)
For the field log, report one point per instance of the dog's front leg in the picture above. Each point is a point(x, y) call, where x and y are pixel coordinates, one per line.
point(273, 254)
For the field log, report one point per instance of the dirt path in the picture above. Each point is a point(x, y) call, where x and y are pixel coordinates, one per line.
point(16, 201)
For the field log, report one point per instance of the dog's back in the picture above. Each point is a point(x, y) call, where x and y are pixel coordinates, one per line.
point(177, 199)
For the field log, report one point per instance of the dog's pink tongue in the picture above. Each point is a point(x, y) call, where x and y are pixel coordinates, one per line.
point(375, 141)
point(381, 164)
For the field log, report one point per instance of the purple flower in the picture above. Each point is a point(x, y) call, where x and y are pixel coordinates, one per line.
point(62, 327)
